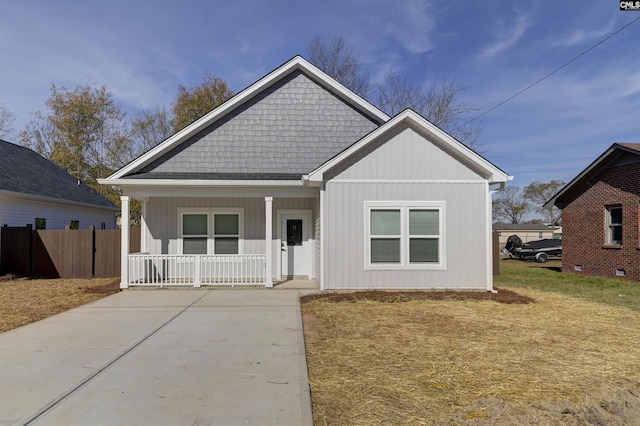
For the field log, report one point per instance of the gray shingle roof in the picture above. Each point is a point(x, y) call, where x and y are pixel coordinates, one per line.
point(27, 172)
point(293, 127)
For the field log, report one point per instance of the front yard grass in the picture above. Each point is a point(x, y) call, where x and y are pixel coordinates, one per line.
point(23, 301)
point(569, 358)
point(516, 274)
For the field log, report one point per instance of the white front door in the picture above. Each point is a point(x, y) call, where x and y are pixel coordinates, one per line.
point(295, 247)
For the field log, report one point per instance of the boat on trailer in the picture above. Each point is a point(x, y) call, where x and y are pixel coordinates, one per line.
point(539, 250)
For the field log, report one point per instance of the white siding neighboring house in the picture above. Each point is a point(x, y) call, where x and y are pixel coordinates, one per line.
point(296, 176)
point(35, 191)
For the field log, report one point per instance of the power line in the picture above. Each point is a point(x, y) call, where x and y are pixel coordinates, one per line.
point(552, 72)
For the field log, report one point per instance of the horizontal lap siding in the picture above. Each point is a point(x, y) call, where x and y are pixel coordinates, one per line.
point(21, 212)
point(466, 222)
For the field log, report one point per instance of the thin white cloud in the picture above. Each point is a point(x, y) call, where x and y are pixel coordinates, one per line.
point(412, 25)
point(506, 38)
point(581, 36)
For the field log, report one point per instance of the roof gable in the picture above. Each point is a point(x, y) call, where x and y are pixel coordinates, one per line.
point(294, 126)
point(24, 171)
point(616, 154)
point(295, 66)
point(428, 131)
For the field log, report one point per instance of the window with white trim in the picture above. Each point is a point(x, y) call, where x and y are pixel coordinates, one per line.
point(195, 233)
point(208, 231)
point(614, 225)
point(405, 235)
point(226, 233)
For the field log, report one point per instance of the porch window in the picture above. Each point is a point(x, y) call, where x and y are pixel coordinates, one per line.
point(194, 233)
point(404, 235)
point(614, 225)
point(226, 233)
point(208, 231)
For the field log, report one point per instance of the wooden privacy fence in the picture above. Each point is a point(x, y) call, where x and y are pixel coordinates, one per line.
point(63, 253)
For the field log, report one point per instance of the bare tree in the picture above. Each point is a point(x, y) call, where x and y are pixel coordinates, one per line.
point(510, 206)
point(341, 63)
point(439, 103)
point(538, 193)
point(149, 127)
point(6, 121)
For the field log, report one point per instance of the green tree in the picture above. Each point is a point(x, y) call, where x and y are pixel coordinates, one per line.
point(84, 132)
point(510, 206)
point(192, 103)
point(538, 193)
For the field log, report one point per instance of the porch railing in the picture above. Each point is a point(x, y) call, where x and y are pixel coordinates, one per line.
point(196, 270)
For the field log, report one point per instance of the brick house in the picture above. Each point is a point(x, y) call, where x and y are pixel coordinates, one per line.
point(600, 219)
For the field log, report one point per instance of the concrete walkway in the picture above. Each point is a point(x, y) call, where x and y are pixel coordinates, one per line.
point(161, 357)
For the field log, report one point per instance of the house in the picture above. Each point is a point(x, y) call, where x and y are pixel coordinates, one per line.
point(526, 232)
point(296, 176)
point(35, 191)
point(600, 215)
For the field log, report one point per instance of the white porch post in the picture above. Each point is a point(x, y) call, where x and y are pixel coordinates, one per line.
point(124, 243)
point(143, 226)
point(268, 207)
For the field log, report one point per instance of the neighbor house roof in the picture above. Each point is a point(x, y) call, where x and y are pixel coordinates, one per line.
point(26, 173)
point(228, 150)
point(610, 156)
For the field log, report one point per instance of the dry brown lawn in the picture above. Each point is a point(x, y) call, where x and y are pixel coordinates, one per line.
point(560, 360)
point(23, 301)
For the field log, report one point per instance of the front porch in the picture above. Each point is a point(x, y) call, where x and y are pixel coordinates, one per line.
point(147, 270)
point(197, 270)
point(230, 238)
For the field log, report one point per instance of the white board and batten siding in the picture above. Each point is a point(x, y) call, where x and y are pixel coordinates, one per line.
point(405, 168)
point(21, 211)
point(161, 235)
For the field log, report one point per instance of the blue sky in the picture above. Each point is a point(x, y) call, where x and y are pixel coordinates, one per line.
point(142, 50)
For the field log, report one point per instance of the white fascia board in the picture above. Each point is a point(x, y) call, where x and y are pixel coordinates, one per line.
point(22, 195)
point(495, 175)
point(297, 63)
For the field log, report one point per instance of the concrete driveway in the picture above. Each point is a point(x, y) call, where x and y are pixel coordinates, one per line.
point(161, 357)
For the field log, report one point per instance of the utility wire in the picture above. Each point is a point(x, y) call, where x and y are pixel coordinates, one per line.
point(552, 72)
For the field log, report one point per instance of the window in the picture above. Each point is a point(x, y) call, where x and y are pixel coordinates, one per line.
point(226, 235)
point(404, 235)
point(41, 223)
point(194, 233)
point(210, 231)
point(614, 225)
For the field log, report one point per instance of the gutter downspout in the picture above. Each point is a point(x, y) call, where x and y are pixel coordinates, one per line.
point(489, 237)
